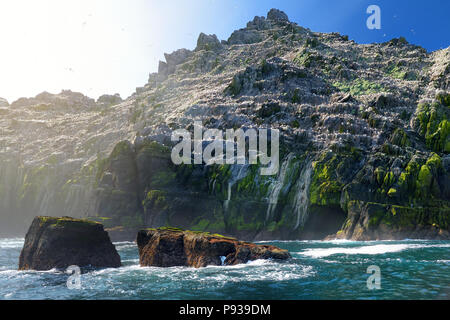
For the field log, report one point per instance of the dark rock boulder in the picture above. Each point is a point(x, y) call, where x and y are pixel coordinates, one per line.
point(61, 242)
point(168, 247)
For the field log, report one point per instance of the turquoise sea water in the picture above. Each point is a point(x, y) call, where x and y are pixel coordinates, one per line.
point(410, 269)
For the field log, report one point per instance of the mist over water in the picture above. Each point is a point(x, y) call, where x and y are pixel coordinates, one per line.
point(410, 269)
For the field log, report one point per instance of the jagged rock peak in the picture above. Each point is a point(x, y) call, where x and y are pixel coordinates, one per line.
point(110, 100)
point(172, 60)
point(259, 23)
point(277, 15)
point(169, 247)
point(177, 57)
point(65, 97)
point(208, 42)
point(53, 242)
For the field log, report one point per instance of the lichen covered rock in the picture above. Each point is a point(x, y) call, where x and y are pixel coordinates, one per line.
point(62, 242)
point(168, 247)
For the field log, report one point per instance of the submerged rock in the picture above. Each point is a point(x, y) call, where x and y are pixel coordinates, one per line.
point(168, 247)
point(61, 242)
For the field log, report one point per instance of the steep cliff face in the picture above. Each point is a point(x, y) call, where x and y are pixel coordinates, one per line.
point(364, 135)
point(50, 149)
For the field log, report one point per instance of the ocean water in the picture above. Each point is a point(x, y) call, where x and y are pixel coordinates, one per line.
point(409, 269)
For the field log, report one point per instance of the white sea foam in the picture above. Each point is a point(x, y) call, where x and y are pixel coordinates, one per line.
point(119, 243)
point(372, 250)
point(443, 261)
point(9, 272)
point(367, 250)
point(16, 272)
point(256, 271)
point(120, 270)
point(376, 249)
point(339, 241)
point(11, 243)
point(334, 241)
point(125, 246)
point(8, 295)
point(259, 262)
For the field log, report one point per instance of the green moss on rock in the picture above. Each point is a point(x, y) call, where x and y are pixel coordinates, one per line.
point(359, 87)
point(432, 122)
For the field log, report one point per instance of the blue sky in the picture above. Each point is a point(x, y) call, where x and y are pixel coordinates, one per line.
point(109, 46)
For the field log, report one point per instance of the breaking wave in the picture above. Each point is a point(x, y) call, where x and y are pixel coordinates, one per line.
point(366, 250)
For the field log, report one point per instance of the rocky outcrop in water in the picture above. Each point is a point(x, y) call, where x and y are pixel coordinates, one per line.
point(169, 247)
point(62, 242)
point(109, 100)
point(364, 134)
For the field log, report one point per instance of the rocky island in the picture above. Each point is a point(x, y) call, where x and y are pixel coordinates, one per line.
point(364, 141)
point(61, 242)
point(169, 247)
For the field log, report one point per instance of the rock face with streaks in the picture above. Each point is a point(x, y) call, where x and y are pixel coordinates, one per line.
point(62, 242)
point(364, 141)
point(169, 247)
